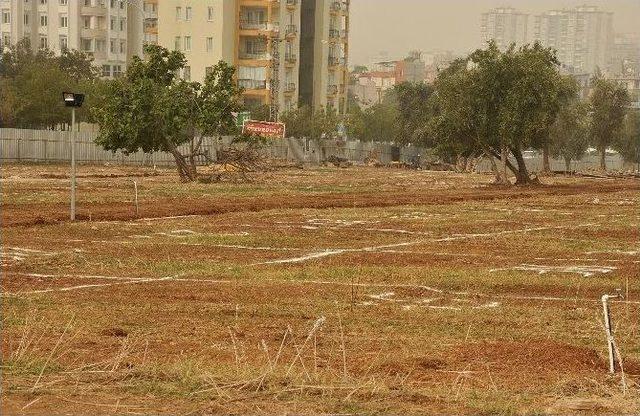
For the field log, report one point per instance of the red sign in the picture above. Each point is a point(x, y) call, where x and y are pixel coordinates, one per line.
point(264, 129)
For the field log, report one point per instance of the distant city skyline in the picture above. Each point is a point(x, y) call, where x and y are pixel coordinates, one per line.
point(398, 26)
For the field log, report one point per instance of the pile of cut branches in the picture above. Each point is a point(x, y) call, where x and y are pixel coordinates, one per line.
point(236, 164)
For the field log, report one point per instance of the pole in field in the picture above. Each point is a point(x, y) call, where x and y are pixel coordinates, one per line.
point(609, 329)
point(74, 101)
point(135, 189)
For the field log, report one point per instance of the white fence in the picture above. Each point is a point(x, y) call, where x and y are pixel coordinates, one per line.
point(18, 145)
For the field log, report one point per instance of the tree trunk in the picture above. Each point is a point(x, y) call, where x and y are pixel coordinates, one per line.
point(546, 164)
point(522, 177)
point(603, 159)
point(500, 178)
point(504, 157)
point(186, 175)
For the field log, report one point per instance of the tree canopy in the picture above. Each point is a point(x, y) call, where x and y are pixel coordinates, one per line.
point(608, 104)
point(32, 82)
point(151, 109)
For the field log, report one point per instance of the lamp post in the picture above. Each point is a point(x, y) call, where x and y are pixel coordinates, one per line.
point(74, 101)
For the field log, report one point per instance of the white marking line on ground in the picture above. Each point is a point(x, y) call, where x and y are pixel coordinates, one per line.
point(323, 283)
point(93, 286)
point(585, 271)
point(327, 253)
point(622, 252)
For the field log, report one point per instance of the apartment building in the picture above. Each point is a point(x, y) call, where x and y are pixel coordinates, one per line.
point(204, 30)
point(583, 37)
point(109, 30)
point(263, 39)
point(325, 54)
point(505, 26)
point(625, 59)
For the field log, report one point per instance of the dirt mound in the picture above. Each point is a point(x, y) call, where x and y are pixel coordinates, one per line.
point(535, 357)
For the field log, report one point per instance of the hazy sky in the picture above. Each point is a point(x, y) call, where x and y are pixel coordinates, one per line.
point(398, 26)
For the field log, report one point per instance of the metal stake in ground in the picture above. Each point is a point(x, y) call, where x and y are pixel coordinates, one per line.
point(608, 329)
point(73, 100)
point(135, 189)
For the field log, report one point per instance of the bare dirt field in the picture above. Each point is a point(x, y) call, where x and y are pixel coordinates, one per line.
point(320, 291)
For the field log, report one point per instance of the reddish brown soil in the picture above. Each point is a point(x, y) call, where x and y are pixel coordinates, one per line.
point(40, 213)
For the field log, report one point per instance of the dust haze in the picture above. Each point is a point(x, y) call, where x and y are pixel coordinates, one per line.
point(397, 26)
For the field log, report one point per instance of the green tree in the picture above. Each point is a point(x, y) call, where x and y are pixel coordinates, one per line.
point(628, 143)
point(609, 102)
point(499, 103)
point(319, 124)
point(569, 134)
point(151, 109)
point(40, 78)
point(415, 109)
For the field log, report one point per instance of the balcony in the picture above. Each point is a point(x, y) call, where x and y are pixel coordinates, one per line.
point(292, 3)
point(339, 6)
point(291, 30)
point(252, 84)
point(335, 61)
point(290, 58)
point(258, 56)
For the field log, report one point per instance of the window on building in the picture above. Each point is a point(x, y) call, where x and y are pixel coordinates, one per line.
point(210, 13)
point(113, 4)
point(112, 46)
point(86, 44)
point(26, 19)
point(123, 25)
point(178, 13)
point(44, 21)
point(63, 2)
point(186, 73)
point(208, 70)
point(64, 44)
point(188, 12)
point(176, 44)
point(43, 1)
point(101, 45)
point(187, 43)
point(6, 39)
point(112, 23)
point(6, 16)
point(106, 70)
point(87, 3)
point(64, 20)
point(117, 70)
point(86, 22)
point(209, 44)
point(123, 46)
point(44, 42)
point(121, 4)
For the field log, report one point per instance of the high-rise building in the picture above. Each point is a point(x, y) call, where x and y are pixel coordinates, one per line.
point(324, 53)
point(109, 30)
point(505, 26)
point(287, 52)
point(583, 37)
point(625, 59)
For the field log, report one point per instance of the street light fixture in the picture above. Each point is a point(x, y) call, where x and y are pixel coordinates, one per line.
point(74, 101)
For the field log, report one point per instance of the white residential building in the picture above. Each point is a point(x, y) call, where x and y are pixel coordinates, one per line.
point(109, 30)
point(582, 36)
point(505, 26)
